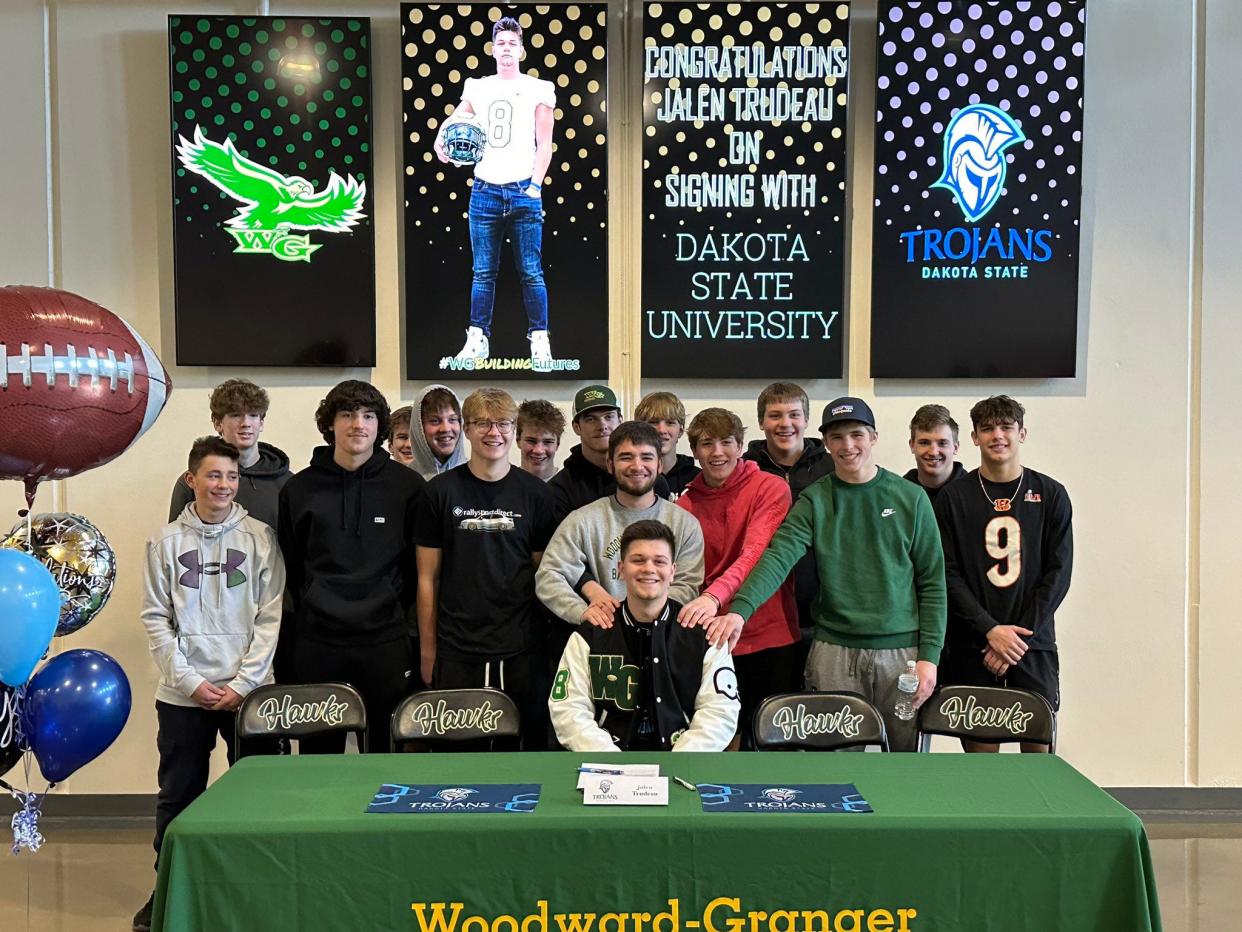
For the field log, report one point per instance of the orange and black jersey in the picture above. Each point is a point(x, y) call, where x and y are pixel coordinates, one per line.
point(1008, 554)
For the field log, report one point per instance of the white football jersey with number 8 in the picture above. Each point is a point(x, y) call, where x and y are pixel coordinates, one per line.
point(506, 109)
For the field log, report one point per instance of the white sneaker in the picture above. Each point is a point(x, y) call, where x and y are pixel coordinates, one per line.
point(476, 344)
point(540, 351)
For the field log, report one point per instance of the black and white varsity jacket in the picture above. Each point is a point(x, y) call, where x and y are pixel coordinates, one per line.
point(600, 685)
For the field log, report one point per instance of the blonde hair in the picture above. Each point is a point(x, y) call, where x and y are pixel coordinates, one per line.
point(494, 403)
point(661, 406)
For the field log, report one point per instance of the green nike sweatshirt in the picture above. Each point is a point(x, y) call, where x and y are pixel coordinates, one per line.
point(880, 562)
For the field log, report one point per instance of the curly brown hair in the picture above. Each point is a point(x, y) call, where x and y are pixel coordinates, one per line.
point(352, 395)
point(538, 414)
point(238, 396)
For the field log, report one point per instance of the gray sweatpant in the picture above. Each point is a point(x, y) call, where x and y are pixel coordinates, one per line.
point(870, 673)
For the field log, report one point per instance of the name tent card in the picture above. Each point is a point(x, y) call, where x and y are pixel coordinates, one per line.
point(587, 771)
point(440, 798)
point(613, 790)
point(798, 797)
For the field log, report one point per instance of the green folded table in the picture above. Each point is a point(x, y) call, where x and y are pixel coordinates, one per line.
point(957, 843)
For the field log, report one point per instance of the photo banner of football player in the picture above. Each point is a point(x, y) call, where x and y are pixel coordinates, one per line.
point(743, 189)
point(978, 155)
point(506, 190)
point(274, 252)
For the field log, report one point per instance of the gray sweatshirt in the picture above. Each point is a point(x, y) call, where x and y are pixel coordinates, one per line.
point(588, 544)
point(211, 603)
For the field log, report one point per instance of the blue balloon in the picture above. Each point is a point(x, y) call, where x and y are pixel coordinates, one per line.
point(29, 610)
point(75, 707)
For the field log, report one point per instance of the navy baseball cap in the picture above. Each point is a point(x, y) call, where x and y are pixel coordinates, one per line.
point(847, 409)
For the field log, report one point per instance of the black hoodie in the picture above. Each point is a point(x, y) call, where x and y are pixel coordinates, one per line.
point(913, 476)
point(814, 463)
point(581, 482)
point(348, 542)
point(258, 491)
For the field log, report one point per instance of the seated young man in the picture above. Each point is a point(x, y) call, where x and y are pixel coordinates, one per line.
point(645, 683)
point(539, 428)
point(665, 412)
point(1008, 556)
point(439, 446)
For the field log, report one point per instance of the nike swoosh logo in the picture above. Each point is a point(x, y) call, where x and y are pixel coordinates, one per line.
point(887, 513)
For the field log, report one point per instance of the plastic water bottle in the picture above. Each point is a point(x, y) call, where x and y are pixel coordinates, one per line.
point(907, 686)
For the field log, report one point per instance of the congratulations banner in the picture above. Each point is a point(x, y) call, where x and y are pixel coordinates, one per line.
point(506, 193)
point(274, 254)
point(743, 189)
point(978, 151)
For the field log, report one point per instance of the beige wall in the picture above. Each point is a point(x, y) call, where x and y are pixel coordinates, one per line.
point(1144, 437)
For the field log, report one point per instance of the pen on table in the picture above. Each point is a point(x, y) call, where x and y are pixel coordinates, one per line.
point(686, 783)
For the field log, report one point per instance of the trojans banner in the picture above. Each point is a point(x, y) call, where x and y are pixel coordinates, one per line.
point(978, 151)
point(743, 189)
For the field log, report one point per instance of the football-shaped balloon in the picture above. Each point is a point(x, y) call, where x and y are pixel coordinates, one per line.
point(78, 385)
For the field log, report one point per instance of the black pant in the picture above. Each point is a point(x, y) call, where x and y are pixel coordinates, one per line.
point(520, 677)
point(187, 736)
point(759, 675)
point(380, 672)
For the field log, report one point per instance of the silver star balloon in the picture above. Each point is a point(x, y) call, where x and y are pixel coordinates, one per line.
point(79, 559)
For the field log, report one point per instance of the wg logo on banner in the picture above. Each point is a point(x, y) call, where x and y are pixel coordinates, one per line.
point(272, 203)
point(974, 162)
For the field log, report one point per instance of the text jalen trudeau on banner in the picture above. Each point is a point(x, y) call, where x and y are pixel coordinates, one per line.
point(770, 104)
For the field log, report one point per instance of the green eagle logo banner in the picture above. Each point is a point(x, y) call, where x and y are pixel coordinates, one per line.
point(273, 204)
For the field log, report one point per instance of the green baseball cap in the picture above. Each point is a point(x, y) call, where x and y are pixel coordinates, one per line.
point(592, 397)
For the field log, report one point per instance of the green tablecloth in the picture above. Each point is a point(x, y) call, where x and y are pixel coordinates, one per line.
point(960, 843)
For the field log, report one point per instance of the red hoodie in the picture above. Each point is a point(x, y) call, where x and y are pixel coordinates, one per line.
point(738, 520)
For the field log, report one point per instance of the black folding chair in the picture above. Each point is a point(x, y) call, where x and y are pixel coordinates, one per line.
point(439, 717)
point(296, 711)
point(818, 722)
point(989, 715)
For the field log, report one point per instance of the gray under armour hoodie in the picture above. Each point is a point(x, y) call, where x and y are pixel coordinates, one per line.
point(211, 603)
point(425, 462)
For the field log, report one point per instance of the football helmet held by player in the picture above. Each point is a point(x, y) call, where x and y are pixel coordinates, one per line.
point(464, 140)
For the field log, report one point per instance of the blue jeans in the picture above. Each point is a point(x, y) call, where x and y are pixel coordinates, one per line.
point(497, 211)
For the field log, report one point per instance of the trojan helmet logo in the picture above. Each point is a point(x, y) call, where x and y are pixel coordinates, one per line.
point(974, 160)
point(454, 794)
point(781, 794)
